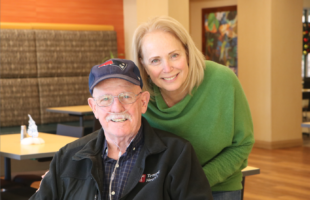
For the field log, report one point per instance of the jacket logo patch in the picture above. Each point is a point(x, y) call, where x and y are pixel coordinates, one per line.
point(149, 177)
point(142, 179)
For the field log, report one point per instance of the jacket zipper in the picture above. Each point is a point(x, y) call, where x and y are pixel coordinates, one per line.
point(96, 196)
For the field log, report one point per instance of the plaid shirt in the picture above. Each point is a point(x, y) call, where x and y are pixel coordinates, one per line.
point(126, 163)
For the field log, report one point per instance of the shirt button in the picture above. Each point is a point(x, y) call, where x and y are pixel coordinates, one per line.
point(134, 148)
point(117, 166)
point(113, 193)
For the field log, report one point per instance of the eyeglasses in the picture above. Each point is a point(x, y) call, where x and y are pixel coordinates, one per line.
point(124, 98)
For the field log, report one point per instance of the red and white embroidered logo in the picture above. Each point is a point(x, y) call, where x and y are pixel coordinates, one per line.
point(149, 177)
point(110, 62)
point(142, 179)
point(117, 63)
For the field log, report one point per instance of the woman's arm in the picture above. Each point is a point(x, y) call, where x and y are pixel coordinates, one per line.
point(233, 158)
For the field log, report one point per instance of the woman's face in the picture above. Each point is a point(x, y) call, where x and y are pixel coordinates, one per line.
point(165, 60)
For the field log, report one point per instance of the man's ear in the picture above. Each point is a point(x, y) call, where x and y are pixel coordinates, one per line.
point(92, 104)
point(145, 98)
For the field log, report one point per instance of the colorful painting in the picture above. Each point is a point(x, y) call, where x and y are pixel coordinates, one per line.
point(220, 36)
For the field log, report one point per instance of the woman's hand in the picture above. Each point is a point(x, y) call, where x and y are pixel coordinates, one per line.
point(42, 179)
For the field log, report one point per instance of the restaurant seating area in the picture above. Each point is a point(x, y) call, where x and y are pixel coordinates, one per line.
point(48, 48)
point(47, 68)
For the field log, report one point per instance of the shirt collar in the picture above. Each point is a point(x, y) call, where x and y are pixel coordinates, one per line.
point(134, 144)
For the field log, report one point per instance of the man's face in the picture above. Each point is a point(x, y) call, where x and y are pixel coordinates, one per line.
point(115, 128)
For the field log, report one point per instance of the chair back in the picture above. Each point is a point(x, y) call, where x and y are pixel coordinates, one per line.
point(73, 131)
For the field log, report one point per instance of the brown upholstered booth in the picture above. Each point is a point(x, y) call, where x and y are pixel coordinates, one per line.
point(48, 68)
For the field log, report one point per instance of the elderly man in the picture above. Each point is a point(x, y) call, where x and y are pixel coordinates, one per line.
point(126, 159)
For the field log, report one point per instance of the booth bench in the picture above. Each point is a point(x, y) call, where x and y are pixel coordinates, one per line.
point(47, 65)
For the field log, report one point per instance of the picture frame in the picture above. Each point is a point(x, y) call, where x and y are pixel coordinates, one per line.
point(219, 36)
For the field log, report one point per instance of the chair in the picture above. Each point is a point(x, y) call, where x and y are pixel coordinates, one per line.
point(7, 184)
point(26, 179)
point(65, 130)
point(72, 131)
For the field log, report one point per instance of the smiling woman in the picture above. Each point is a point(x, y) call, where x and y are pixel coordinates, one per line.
point(198, 100)
point(165, 61)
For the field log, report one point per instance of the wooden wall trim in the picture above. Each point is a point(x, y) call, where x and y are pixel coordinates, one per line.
point(50, 26)
point(278, 144)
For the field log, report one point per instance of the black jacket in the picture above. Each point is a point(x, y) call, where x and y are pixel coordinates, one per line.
point(167, 163)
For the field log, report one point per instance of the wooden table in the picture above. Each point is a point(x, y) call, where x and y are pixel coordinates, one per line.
point(79, 111)
point(10, 147)
point(248, 171)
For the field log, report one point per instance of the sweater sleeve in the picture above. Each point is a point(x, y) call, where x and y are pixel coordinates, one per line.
point(233, 158)
point(50, 184)
point(187, 178)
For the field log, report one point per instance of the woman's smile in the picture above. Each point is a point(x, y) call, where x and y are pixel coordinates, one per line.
point(165, 61)
point(171, 78)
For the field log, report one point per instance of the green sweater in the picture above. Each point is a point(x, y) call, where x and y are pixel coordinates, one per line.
point(216, 119)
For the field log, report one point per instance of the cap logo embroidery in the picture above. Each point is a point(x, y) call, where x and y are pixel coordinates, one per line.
point(117, 63)
point(110, 62)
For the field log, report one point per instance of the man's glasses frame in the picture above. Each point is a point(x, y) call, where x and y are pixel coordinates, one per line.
point(120, 97)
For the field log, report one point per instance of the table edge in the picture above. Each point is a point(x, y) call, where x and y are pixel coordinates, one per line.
point(251, 171)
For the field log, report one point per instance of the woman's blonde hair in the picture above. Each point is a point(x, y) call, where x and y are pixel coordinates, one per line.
point(195, 58)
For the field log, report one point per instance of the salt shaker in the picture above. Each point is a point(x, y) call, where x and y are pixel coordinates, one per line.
point(23, 132)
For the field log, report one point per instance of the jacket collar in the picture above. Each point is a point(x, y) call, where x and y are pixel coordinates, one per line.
point(152, 143)
point(93, 146)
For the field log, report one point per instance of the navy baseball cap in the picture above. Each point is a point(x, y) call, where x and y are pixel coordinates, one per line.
point(114, 68)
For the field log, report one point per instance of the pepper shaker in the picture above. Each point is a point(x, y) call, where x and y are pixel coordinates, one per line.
point(23, 132)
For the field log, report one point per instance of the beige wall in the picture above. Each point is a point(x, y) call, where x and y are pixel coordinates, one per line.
point(179, 10)
point(130, 23)
point(147, 9)
point(286, 84)
point(269, 68)
point(306, 4)
point(254, 52)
